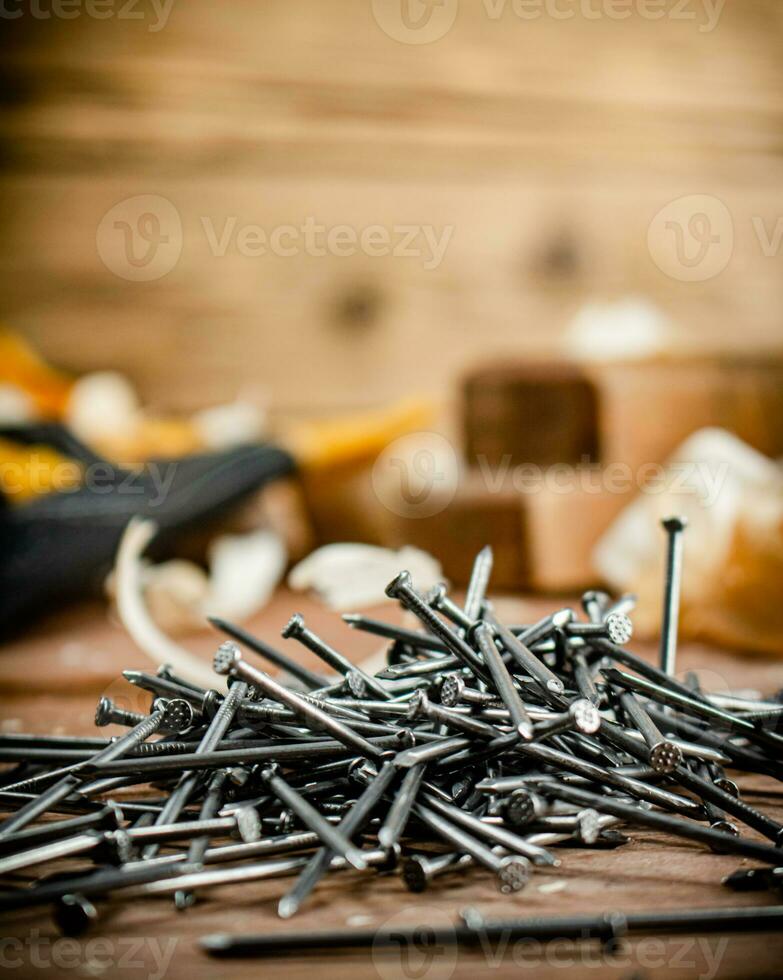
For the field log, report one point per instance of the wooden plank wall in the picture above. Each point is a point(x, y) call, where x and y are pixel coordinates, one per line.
point(548, 145)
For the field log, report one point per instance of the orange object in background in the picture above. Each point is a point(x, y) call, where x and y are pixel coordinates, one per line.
point(28, 471)
point(20, 366)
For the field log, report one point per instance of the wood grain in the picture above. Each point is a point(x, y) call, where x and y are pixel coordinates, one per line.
point(547, 145)
point(50, 680)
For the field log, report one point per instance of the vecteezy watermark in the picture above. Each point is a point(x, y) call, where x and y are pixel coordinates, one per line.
point(156, 13)
point(425, 242)
point(124, 696)
point(691, 239)
point(421, 946)
point(425, 21)
point(145, 957)
point(419, 475)
point(702, 480)
point(401, 952)
point(37, 475)
point(415, 21)
point(141, 239)
point(416, 475)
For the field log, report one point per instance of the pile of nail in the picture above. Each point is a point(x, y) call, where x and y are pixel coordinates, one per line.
point(478, 743)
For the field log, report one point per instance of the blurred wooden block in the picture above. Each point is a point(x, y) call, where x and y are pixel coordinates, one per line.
point(560, 529)
point(637, 413)
point(634, 412)
point(648, 408)
point(342, 504)
point(542, 537)
point(474, 517)
point(541, 413)
point(751, 404)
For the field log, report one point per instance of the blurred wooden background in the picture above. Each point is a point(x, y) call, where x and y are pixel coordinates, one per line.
point(548, 144)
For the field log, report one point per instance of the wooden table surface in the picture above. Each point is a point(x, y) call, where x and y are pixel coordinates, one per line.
point(49, 682)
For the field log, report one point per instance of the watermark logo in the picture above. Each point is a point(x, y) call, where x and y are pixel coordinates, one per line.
point(400, 241)
point(140, 238)
point(120, 694)
point(156, 12)
point(36, 474)
point(415, 21)
point(420, 952)
point(420, 945)
point(416, 475)
point(699, 481)
point(145, 957)
point(425, 21)
point(691, 239)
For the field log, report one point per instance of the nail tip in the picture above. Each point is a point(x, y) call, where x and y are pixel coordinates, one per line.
point(286, 908)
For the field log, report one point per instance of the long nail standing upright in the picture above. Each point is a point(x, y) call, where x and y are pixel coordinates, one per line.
point(674, 526)
point(479, 580)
